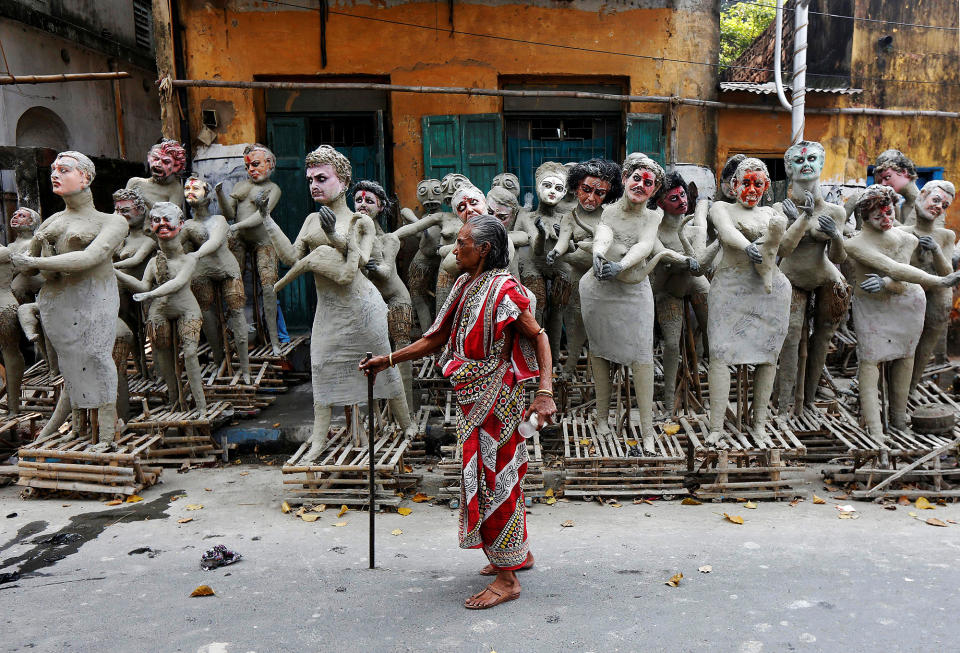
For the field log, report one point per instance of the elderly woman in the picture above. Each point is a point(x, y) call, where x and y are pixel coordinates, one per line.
point(749, 297)
point(491, 345)
point(616, 300)
point(351, 317)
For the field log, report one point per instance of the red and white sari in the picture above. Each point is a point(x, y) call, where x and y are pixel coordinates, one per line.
point(488, 384)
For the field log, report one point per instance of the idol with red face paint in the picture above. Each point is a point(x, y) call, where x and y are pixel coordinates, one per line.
point(749, 296)
point(888, 305)
point(933, 255)
point(896, 170)
point(166, 280)
point(616, 299)
point(672, 283)
point(166, 161)
point(248, 236)
point(813, 271)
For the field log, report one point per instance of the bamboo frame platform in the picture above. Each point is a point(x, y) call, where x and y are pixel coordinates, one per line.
point(52, 465)
point(193, 443)
point(732, 475)
point(340, 474)
point(39, 390)
point(601, 465)
point(11, 429)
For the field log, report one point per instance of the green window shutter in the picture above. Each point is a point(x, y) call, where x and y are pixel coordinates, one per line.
point(481, 146)
point(645, 134)
point(441, 146)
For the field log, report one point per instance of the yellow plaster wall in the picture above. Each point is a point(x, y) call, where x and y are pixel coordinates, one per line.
point(238, 40)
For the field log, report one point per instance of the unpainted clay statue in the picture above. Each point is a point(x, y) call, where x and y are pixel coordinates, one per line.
point(422, 272)
point(370, 199)
point(217, 269)
point(813, 272)
point(934, 256)
point(13, 362)
point(672, 283)
point(351, 317)
point(132, 257)
point(166, 281)
point(448, 272)
point(595, 183)
point(79, 300)
point(166, 161)
point(569, 201)
point(507, 181)
point(543, 226)
point(250, 236)
point(506, 208)
point(896, 170)
point(727, 193)
point(888, 305)
point(24, 222)
point(749, 296)
point(616, 299)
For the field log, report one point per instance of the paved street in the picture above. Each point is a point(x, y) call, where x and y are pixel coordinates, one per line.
point(789, 578)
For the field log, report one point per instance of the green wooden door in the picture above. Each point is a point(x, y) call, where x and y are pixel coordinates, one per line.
point(471, 144)
point(645, 134)
point(481, 147)
point(287, 138)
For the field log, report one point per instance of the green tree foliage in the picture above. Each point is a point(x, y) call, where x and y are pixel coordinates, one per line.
point(740, 24)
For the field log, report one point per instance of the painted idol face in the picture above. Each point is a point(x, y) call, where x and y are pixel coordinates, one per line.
point(894, 179)
point(806, 163)
point(551, 190)
point(165, 222)
point(750, 188)
point(882, 217)
point(325, 186)
point(591, 192)
point(367, 203)
point(639, 185)
point(66, 177)
point(674, 201)
point(933, 204)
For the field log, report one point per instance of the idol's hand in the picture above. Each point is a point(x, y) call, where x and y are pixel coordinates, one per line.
point(874, 283)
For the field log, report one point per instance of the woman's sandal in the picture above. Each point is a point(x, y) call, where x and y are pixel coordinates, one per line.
point(501, 598)
point(490, 570)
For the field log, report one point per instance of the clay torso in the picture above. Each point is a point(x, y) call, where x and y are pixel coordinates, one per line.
point(153, 192)
point(808, 266)
point(221, 264)
point(131, 245)
point(245, 192)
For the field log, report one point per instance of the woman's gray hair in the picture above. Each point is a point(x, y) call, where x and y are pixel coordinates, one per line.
point(487, 229)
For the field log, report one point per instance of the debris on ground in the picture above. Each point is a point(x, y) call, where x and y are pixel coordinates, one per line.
point(218, 556)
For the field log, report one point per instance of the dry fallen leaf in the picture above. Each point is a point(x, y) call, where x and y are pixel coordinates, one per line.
point(207, 489)
point(277, 425)
point(674, 580)
point(185, 520)
point(706, 569)
point(404, 511)
point(585, 441)
point(736, 519)
point(922, 504)
point(320, 508)
point(751, 505)
point(407, 469)
point(551, 501)
point(420, 497)
point(343, 510)
point(310, 517)
point(396, 531)
point(549, 492)
point(817, 500)
point(285, 507)
point(690, 501)
point(632, 443)
point(912, 514)
point(671, 429)
point(115, 502)
point(300, 511)
point(933, 521)
point(793, 504)
point(134, 498)
point(848, 515)
point(244, 473)
point(203, 590)
point(614, 505)
point(194, 506)
point(340, 523)
point(567, 524)
point(903, 501)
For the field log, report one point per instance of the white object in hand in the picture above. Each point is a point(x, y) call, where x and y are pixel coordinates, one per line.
point(529, 426)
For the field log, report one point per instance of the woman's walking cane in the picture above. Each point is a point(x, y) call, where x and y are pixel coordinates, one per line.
point(371, 439)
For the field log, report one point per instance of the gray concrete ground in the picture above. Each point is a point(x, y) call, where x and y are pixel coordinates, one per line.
point(790, 578)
